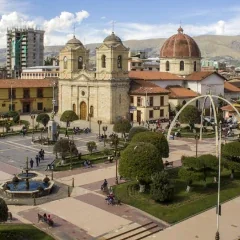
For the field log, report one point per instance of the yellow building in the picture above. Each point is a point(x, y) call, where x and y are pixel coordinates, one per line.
point(25, 95)
point(148, 101)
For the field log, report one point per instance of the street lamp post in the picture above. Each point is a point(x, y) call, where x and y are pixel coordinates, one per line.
point(219, 179)
point(104, 128)
point(196, 138)
point(99, 124)
point(32, 117)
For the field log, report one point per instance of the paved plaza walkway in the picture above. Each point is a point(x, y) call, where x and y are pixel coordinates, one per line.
point(85, 215)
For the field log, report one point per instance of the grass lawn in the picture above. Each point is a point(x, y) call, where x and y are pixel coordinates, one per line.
point(22, 232)
point(184, 204)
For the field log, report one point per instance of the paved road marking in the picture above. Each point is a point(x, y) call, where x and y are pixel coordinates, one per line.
point(24, 146)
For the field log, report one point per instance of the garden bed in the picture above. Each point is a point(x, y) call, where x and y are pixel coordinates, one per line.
point(184, 204)
point(22, 232)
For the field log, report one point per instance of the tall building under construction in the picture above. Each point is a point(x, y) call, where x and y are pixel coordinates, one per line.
point(24, 49)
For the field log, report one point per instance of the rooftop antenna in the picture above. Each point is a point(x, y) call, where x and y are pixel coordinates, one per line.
point(113, 22)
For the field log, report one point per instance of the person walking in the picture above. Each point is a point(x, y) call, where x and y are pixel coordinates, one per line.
point(36, 158)
point(31, 163)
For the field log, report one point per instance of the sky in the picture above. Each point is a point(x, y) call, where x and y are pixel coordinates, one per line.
point(92, 20)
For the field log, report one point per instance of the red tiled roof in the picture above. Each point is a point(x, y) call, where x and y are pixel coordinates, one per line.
point(198, 76)
point(228, 87)
point(151, 75)
point(180, 92)
point(227, 108)
point(141, 87)
point(25, 83)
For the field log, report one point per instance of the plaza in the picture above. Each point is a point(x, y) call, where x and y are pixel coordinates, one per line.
point(85, 215)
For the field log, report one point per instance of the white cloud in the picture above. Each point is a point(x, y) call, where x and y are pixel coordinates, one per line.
point(59, 29)
point(65, 21)
point(103, 17)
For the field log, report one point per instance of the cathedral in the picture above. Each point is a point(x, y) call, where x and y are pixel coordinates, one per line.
point(95, 95)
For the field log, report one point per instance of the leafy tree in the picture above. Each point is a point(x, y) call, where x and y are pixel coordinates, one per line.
point(139, 161)
point(3, 211)
point(136, 130)
point(69, 116)
point(91, 146)
point(14, 115)
point(155, 138)
point(122, 126)
point(162, 189)
point(114, 141)
point(190, 115)
point(195, 169)
point(231, 153)
point(43, 118)
point(178, 107)
point(64, 147)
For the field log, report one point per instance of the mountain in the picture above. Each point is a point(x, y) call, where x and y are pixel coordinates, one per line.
point(222, 48)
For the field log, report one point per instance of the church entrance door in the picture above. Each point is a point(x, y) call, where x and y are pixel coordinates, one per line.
point(83, 111)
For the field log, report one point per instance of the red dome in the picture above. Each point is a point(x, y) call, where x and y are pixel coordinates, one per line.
point(180, 46)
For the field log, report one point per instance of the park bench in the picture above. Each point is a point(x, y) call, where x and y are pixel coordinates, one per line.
point(168, 164)
point(43, 219)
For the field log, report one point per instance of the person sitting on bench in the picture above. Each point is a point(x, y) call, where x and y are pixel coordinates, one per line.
point(45, 217)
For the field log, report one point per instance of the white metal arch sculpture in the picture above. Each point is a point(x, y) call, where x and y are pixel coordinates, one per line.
point(214, 114)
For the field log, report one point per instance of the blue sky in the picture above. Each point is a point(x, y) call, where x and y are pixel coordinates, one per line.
point(135, 19)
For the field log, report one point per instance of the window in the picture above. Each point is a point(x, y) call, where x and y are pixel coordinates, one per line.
point(158, 69)
point(138, 101)
point(196, 103)
point(13, 93)
point(181, 65)
point(167, 66)
point(80, 62)
point(133, 64)
point(151, 101)
point(161, 100)
point(103, 59)
point(151, 114)
point(65, 63)
point(195, 66)
point(139, 64)
point(161, 112)
point(3, 105)
point(119, 61)
point(74, 107)
point(91, 111)
point(150, 69)
point(11, 107)
point(131, 99)
point(40, 106)
point(26, 93)
point(184, 102)
point(39, 92)
point(120, 98)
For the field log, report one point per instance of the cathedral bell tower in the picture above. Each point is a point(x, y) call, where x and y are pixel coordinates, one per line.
point(73, 58)
point(112, 59)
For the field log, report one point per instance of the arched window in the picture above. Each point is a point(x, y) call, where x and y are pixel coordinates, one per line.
point(65, 62)
point(167, 66)
point(119, 61)
point(74, 107)
point(195, 66)
point(103, 61)
point(184, 102)
point(91, 111)
point(181, 65)
point(80, 62)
